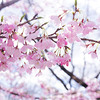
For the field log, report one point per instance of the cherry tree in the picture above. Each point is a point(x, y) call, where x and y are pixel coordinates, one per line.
point(31, 45)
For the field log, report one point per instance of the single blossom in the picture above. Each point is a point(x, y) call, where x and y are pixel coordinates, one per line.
point(71, 36)
point(15, 36)
point(8, 28)
point(61, 41)
point(63, 60)
point(26, 47)
point(44, 44)
point(56, 19)
point(93, 54)
point(10, 42)
point(88, 27)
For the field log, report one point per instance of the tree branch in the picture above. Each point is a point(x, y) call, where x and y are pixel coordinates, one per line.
point(74, 77)
point(91, 40)
point(2, 37)
point(9, 3)
point(97, 75)
point(58, 78)
point(27, 21)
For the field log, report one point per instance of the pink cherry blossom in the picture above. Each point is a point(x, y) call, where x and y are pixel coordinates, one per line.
point(26, 47)
point(61, 41)
point(31, 36)
point(15, 37)
point(42, 64)
point(56, 19)
point(93, 54)
point(64, 60)
point(17, 53)
point(88, 27)
point(44, 44)
point(9, 50)
point(31, 29)
point(10, 42)
point(71, 37)
point(11, 59)
point(75, 26)
point(0, 40)
point(2, 57)
point(8, 28)
point(21, 39)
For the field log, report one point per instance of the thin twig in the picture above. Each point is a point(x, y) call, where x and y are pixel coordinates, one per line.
point(91, 40)
point(58, 29)
point(40, 27)
point(34, 18)
point(2, 37)
point(58, 78)
point(97, 75)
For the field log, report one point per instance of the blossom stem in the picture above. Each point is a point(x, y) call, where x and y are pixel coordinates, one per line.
point(34, 18)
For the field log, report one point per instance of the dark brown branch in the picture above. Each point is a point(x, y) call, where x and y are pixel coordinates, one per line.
point(98, 98)
point(53, 40)
point(91, 40)
point(9, 3)
point(58, 29)
point(34, 18)
point(2, 37)
point(58, 78)
point(40, 26)
point(74, 77)
point(97, 75)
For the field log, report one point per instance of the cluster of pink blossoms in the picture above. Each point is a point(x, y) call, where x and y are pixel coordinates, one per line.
point(15, 46)
point(39, 51)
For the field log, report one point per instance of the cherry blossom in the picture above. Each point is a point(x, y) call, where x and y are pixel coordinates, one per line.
point(15, 36)
point(8, 28)
point(44, 44)
point(93, 54)
point(71, 36)
point(64, 60)
point(88, 27)
point(61, 41)
point(56, 19)
point(10, 42)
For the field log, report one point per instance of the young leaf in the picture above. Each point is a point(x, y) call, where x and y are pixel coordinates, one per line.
point(39, 17)
point(22, 17)
point(2, 18)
